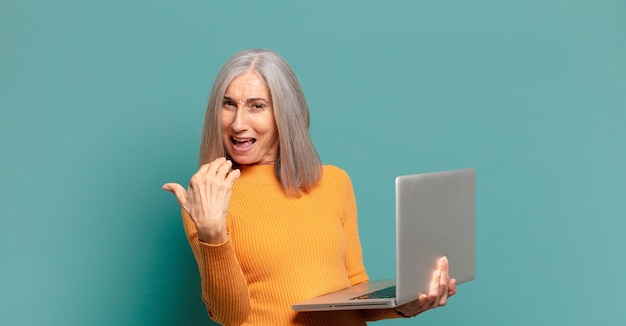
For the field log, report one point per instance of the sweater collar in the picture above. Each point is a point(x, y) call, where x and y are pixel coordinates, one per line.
point(258, 174)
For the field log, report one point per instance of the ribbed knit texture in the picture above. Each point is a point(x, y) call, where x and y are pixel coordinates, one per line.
point(283, 250)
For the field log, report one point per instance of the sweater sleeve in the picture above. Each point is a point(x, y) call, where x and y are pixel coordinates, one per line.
point(354, 258)
point(224, 286)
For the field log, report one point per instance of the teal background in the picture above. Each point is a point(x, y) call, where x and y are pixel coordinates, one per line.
point(102, 102)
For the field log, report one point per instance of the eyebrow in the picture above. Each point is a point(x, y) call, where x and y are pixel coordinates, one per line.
point(247, 100)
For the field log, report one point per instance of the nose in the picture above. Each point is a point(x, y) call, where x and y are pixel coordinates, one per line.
point(240, 121)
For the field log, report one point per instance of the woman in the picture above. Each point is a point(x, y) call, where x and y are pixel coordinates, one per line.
point(267, 223)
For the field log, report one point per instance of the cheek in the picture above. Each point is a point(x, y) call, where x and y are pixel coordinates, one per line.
point(224, 120)
point(273, 138)
point(269, 125)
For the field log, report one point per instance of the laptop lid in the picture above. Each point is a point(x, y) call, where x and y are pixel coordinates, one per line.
point(436, 217)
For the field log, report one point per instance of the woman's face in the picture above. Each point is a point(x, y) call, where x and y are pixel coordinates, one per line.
point(248, 126)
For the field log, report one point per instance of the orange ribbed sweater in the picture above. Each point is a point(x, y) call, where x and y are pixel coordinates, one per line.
point(282, 250)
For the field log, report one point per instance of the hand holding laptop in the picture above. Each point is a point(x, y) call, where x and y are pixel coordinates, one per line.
point(441, 288)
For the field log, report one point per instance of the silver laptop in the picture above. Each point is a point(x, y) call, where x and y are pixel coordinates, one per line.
point(435, 217)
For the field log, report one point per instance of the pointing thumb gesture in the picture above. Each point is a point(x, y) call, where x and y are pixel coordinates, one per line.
point(206, 199)
point(178, 191)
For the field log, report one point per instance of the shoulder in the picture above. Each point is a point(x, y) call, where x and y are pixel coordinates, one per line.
point(334, 175)
point(333, 171)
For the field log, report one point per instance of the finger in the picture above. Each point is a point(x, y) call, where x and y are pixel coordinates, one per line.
point(444, 267)
point(443, 263)
point(224, 168)
point(434, 284)
point(178, 191)
point(423, 297)
point(444, 280)
point(232, 176)
point(204, 168)
point(443, 297)
point(215, 165)
point(171, 187)
point(452, 287)
point(433, 291)
point(445, 271)
point(442, 289)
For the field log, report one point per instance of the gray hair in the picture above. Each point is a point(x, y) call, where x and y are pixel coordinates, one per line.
point(297, 165)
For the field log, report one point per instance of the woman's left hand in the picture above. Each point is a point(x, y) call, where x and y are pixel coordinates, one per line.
point(441, 288)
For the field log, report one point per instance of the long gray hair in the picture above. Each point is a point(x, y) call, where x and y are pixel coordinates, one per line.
point(297, 165)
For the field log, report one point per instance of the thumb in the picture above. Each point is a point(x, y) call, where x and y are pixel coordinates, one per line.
point(178, 191)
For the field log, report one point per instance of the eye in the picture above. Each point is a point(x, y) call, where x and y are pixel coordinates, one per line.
point(257, 106)
point(228, 104)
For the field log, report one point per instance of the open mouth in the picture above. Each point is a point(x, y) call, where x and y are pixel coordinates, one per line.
point(242, 144)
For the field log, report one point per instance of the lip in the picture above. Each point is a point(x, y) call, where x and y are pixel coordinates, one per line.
point(242, 144)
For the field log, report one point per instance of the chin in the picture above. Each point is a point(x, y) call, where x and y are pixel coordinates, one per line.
point(241, 160)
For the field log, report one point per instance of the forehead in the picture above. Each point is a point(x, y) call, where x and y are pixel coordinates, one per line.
point(249, 84)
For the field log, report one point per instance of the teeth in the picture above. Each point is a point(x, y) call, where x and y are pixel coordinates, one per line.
point(242, 140)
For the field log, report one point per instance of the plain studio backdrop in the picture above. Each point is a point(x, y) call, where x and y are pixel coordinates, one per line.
point(101, 102)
